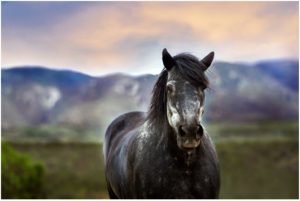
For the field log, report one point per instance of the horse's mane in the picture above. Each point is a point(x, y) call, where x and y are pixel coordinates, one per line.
point(189, 68)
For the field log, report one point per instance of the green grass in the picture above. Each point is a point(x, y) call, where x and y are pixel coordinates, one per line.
point(21, 177)
point(249, 169)
point(221, 131)
point(73, 170)
point(50, 133)
point(256, 161)
point(259, 169)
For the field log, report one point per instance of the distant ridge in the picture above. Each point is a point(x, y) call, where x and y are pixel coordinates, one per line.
point(35, 95)
point(285, 71)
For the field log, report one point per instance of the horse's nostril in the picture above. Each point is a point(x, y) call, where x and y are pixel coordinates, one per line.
point(181, 131)
point(200, 131)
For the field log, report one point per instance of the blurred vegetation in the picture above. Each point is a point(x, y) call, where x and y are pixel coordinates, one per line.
point(73, 170)
point(51, 133)
point(256, 169)
point(218, 131)
point(21, 176)
point(254, 130)
point(257, 161)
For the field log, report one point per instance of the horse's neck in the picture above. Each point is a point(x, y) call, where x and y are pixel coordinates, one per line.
point(162, 136)
point(156, 132)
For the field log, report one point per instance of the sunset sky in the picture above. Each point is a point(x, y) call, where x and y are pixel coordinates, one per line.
point(107, 37)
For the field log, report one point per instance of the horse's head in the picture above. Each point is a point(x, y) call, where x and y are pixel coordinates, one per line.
point(185, 87)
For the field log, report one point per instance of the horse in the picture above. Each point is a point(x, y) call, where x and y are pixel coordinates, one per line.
point(165, 153)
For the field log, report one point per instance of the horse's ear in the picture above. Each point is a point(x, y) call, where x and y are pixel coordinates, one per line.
point(168, 60)
point(207, 60)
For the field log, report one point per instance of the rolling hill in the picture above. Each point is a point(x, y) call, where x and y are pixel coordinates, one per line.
point(34, 96)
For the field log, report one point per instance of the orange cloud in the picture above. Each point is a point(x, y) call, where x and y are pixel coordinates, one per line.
point(121, 36)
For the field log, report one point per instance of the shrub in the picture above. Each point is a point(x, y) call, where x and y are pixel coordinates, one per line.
point(22, 177)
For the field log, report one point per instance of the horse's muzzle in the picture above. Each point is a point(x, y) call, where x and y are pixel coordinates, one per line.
point(190, 143)
point(189, 137)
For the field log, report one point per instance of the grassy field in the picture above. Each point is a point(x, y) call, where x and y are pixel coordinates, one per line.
point(259, 169)
point(253, 166)
point(73, 170)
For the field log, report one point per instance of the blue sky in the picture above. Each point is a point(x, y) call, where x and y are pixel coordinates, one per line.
point(106, 37)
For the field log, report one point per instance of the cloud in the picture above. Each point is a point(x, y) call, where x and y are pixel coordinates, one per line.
point(103, 37)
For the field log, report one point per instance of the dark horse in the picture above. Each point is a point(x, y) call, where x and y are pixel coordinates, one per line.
point(166, 152)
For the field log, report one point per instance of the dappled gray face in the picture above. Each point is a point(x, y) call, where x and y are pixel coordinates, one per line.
point(184, 112)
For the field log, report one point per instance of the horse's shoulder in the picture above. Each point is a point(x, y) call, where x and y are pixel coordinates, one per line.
point(122, 125)
point(125, 121)
point(133, 115)
point(126, 118)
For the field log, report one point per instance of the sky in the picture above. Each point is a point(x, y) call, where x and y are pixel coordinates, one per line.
point(107, 37)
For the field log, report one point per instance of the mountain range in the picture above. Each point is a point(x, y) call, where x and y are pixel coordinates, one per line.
point(33, 96)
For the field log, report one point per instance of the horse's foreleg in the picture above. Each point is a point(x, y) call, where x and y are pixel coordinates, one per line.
point(112, 195)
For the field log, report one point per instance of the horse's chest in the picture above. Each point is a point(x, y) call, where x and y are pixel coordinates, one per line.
point(174, 182)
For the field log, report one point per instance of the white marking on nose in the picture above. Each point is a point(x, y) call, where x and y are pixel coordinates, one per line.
point(201, 113)
point(175, 119)
point(177, 105)
point(173, 116)
point(190, 113)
